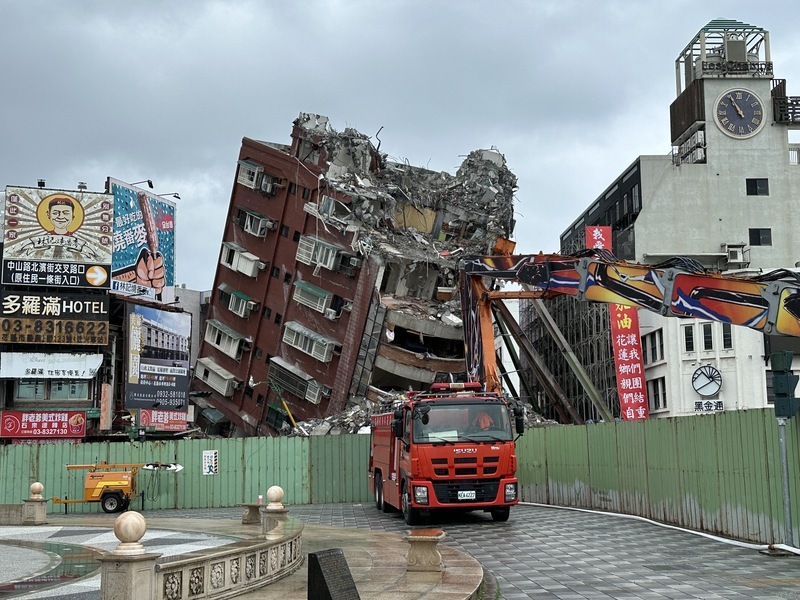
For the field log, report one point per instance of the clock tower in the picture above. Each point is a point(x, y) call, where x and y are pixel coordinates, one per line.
point(727, 97)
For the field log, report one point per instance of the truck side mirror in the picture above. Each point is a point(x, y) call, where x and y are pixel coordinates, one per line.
point(519, 423)
point(397, 425)
point(519, 419)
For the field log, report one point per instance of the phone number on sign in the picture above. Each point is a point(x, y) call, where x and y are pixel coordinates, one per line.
point(49, 331)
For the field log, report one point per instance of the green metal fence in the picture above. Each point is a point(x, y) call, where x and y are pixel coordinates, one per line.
point(719, 473)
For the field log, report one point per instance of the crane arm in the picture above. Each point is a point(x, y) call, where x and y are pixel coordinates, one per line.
point(679, 287)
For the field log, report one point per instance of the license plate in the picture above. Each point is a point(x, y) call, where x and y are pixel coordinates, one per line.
point(466, 495)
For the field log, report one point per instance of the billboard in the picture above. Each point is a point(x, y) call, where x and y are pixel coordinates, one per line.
point(53, 318)
point(157, 369)
point(163, 420)
point(144, 242)
point(43, 424)
point(57, 238)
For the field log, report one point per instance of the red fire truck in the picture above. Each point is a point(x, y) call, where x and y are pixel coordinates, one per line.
point(448, 448)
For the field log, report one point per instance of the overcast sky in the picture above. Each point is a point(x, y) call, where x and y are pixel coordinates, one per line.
point(570, 92)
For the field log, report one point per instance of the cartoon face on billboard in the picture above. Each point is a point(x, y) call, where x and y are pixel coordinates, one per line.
point(44, 229)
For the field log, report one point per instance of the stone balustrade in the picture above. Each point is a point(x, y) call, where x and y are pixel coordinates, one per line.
point(129, 573)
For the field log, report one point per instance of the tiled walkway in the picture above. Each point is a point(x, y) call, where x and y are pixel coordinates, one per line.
point(544, 552)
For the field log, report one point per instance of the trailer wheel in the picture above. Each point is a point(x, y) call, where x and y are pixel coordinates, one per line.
point(410, 514)
point(112, 503)
point(501, 514)
point(379, 491)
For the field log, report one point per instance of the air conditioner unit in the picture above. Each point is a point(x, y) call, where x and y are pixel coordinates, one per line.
point(261, 265)
point(272, 225)
point(251, 305)
point(267, 187)
point(330, 313)
point(735, 255)
point(355, 262)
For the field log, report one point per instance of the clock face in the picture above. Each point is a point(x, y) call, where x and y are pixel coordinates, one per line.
point(707, 380)
point(739, 113)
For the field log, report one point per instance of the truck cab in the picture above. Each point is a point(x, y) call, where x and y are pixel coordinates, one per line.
point(450, 448)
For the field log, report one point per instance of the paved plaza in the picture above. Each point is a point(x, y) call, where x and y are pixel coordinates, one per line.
point(541, 552)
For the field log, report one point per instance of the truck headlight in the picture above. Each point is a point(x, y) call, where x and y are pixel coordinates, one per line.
point(510, 492)
point(420, 494)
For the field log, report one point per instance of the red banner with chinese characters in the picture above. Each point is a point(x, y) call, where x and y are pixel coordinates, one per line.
point(43, 424)
point(626, 343)
point(163, 420)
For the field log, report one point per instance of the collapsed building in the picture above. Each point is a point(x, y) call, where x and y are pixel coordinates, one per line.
point(337, 282)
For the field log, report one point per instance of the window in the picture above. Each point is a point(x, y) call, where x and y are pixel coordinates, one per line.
point(657, 393)
point(285, 231)
point(312, 296)
point(237, 258)
point(296, 236)
point(278, 318)
point(249, 174)
point(287, 277)
point(313, 251)
point(240, 304)
point(315, 392)
point(267, 312)
point(653, 347)
point(688, 338)
point(253, 222)
point(308, 341)
point(760, 237)
point(70, 389)
point(727, 336)
point(31, 389)
point(292, 188)
point(215, 376)
point(306, 193)
point(708, 337)
point(757, 187)
point(276, 272)
point(287, 379)
point(224, 338)
point(260, 400)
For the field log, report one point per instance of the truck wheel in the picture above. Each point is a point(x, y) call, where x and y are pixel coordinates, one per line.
point(378, 491)
point(410, 514)
point(501, 514)
point(112, 503)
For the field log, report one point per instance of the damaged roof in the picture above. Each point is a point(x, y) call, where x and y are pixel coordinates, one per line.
point(408, 212)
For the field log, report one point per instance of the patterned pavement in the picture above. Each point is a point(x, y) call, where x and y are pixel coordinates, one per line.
point(541, 552)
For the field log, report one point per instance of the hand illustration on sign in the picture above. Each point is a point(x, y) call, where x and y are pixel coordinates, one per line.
point(148, 270)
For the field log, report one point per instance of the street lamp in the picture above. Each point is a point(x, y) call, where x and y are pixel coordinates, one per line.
point(173, 194)
point(149, 183)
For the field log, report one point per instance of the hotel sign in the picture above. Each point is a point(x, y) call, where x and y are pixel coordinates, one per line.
point(53, 318)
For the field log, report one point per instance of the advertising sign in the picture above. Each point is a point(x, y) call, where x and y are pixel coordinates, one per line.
point(53, 318)
point(144, 242)
point(158, 358)
point(43, 424)
point(210, 462)
point(35, 365)
point(626, 343)
point(163, 420)
point(57, 238)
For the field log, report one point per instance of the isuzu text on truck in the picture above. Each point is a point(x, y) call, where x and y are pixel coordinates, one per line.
point(449, 448)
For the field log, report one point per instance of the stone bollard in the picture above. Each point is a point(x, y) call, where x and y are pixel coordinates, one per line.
point(423, 554)
point(274, 513)
point(34, 508)
point(128, 572)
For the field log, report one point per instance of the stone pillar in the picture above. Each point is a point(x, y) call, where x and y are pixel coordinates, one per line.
point(34, 509)
point(128, 572)
point(423, 554)
point(274, 513)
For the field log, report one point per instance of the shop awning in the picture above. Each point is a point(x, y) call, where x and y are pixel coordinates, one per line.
point(213, 416)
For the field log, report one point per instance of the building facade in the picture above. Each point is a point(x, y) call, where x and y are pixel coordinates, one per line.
point(337, 276)
point(726, 196)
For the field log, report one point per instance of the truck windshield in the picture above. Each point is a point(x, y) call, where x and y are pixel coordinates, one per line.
point(473, 422)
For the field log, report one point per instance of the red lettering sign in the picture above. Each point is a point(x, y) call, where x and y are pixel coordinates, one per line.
point(43, 424)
